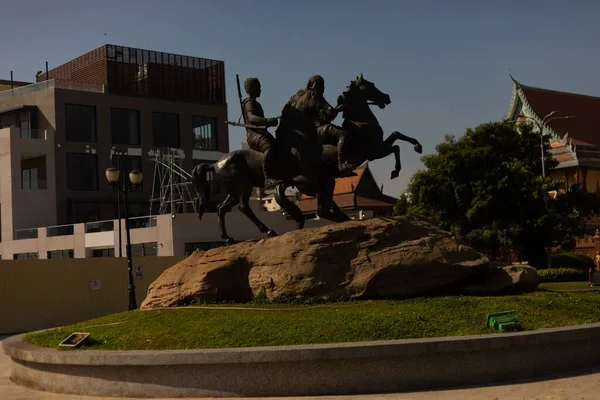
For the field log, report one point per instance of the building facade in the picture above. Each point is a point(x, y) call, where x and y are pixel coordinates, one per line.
point(59, 135)
point(157, 235)
point(574, 142)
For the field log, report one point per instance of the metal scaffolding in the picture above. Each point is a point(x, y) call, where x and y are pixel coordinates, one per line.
point(172, 188)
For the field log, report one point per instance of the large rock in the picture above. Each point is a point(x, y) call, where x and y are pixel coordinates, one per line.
point(379, 257)
point(501, 280)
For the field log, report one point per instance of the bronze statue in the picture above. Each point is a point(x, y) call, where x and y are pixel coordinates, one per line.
point(258, 139)
point(328, 132)
point(297, 133)
point(240, 171)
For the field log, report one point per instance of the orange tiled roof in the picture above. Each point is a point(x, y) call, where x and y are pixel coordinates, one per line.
point(344, 185)
point(346, 201)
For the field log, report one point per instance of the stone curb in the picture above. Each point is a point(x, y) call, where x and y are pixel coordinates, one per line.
point(323, 369)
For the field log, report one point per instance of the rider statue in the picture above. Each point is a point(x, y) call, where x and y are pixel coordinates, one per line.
point(259, 139)
point(325, 128)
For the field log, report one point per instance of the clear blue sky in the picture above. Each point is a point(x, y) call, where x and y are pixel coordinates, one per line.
point(444, 63)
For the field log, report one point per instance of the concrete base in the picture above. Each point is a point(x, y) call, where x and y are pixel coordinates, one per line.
point(338, 369)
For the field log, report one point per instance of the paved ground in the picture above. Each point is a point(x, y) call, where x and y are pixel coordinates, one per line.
point(582, 385)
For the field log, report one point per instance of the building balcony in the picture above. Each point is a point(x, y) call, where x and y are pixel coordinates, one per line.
point(36, 134)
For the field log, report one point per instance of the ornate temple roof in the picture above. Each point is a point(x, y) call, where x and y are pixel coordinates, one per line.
point(575, 141)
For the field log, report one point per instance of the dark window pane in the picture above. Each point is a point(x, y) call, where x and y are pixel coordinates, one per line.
point(80, 123)
point(165, 128)
point(204, 133)
point(82, 171)
point(125, 126)
point(126, 163)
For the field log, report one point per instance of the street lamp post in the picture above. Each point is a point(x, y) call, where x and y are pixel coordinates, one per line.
point(113, 175)
point(540, 126)
point(118, 154)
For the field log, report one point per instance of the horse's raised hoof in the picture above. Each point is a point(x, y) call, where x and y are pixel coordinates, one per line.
point(228, 242)
point(271, 233)
point(395, 174)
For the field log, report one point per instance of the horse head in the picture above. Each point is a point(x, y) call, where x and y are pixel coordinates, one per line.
point(358, 96)
point(365, 91)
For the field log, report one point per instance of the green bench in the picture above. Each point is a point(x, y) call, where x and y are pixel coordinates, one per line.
point(502, 321)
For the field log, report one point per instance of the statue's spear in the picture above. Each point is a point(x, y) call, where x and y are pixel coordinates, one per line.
point(237, 79)
point(245, 125)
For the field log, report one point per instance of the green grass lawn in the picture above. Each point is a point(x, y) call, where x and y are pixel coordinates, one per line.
point(567, 286)
point(219, 326)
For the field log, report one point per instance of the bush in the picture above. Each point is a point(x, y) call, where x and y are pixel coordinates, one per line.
point(563, 275)
point(571, 259)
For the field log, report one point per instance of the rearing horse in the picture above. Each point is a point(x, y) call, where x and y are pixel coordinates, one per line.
point(241, 170)
point(365, 135)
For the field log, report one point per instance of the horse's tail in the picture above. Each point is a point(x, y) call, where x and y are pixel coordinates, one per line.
point(202, 187)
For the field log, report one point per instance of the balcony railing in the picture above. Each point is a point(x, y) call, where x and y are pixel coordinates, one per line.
point(99, 226)
point(52, 84)
point(60, 230)
point(142, 222)
point(20, 234)
point(28, 133)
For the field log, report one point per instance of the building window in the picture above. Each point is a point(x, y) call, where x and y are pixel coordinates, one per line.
point(204, 133)
point(165, 128)
point(126, 164)
point(144, 249)
point(82, 171)
point(60, 254)
point(33, 172)
point(125, 126)
point(80, 123)
point(103, 253)
point(29, 178)
point(25, 256)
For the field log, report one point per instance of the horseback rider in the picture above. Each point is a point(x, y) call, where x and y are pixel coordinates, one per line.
point(297, 132)
point(325, 128)
point(259, 139)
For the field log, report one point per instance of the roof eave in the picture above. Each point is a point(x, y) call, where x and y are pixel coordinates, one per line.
point(517, 95)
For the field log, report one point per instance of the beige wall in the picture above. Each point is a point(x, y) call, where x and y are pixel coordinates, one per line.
point(592, 181)
point(39, 294)
point(26, 206)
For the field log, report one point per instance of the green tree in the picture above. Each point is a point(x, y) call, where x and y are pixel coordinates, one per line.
point(488, 188)
point(401, 206)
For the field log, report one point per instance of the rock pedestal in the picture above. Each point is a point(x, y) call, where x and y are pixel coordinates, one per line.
point(375, 258)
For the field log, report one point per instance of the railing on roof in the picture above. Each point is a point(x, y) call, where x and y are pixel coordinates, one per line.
point(99, 226)
point(142, 222)
point(30, 233)
point(60, 230)
point(52, 84)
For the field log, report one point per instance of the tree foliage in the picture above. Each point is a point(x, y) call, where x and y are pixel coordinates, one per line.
point(488, 188)
point(401, 206)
